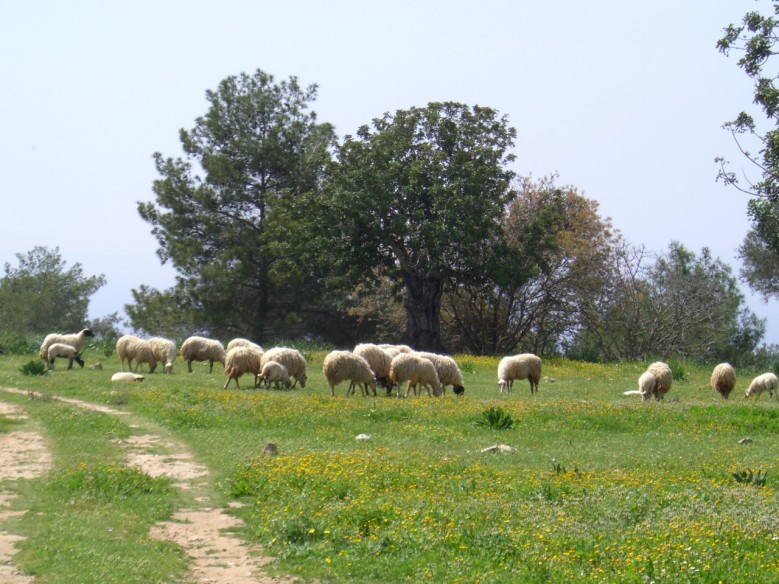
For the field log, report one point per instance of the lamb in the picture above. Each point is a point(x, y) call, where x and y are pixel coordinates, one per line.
point(448, 371)
point(240, 360)
point(339, 366)
point(522, 366)
point(276, 373)
point(416, 370)
point(65, 351)
point(646, 385)
point(202, 349)
point(379, 361)
point(164, 351)
point(765, 382)
point(292, 359)
point(131, 347)
point(239, 342)
point(723, 379)
point(76, 341)
point(127, 376)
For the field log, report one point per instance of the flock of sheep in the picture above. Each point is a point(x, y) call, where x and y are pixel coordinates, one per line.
point(368, 366)
point(656, 381)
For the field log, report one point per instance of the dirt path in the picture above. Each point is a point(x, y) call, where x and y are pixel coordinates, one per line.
point(215, 555)
point(23, 455)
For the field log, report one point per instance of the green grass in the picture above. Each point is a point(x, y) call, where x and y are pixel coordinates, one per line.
point(600, 487)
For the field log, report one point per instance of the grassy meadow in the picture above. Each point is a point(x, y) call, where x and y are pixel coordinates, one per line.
point(600, 487)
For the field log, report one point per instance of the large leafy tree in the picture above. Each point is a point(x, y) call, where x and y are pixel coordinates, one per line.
point(416, 200)
point(755, 40)
point(257, 145)
point(42, 294)
point(556, 267)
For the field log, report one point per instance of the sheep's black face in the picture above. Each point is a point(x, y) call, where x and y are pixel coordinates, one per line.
point(88, 333)
point(458, 389)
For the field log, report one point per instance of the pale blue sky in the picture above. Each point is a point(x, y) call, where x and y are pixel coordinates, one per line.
point(625, 100)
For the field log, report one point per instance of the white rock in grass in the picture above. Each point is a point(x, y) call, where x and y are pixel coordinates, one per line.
point(362, 437)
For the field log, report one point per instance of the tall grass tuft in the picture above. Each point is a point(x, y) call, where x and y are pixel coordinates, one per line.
point(495, 418)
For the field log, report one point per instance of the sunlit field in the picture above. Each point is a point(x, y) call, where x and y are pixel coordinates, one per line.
point(598, 486)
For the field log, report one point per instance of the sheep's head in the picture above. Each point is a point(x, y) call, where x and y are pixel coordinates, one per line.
point(458, 390)
point(87, 333)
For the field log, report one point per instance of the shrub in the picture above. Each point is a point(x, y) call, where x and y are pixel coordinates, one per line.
point(33, 368)
point(495, 418)
point(749, 478)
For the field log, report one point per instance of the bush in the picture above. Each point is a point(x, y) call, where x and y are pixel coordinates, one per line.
point(495, 419)
point(33, 368)
point(17, 344)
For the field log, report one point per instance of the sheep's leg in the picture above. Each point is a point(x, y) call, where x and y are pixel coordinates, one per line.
point(189, 366)
point(427, 387)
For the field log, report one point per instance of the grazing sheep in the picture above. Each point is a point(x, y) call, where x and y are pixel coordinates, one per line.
point(66, 352)
point(292, 359)
point(723, 379)
point(663, 380)
point(243, 343)
point(202, 349)
point(76, 341)
point(523, 366)
point(276, 373)
point(164, 351)
point(379, 360)
point(448, 371)
point(646, 385)
point(127, 376)
point(240, 360)
point(340, 366)
point(765, 382)
point(416, 370)
point(123, 348)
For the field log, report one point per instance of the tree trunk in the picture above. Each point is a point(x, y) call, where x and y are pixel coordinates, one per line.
point(423, 313)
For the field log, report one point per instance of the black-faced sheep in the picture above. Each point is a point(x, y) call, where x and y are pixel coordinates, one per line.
point(522, 366)
point(75, 340)
point(240, 360)
point(276, 373)
point(292, 359)
point(448, 371)
point(341, 366)
point(64, 351)
point(416, 371)
point(723, 379)
point(202, 349)
point(765, 382)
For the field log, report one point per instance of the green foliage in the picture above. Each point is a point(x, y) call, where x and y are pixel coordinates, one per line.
point(34, 367)
point(43, 295)
point(13, 343)
point(414, 199)
point(495, 418)
point(749, 478)
point(755, 41)
point(678, 372)
point(258, 144)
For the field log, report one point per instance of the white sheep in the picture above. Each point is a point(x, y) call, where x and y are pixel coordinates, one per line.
point(723, 379)
point(292, 359)
point(202, 349)
point(127, 376)
point(663, 380)
point(240, 360)
point(64, 351)
point(276, 373)
point(416, 371)
point(765, 382)
point(164, 351)
point(341, 366)
point(646, 385)
point(239, 342)
point(75, 340)
point(379, 361)
point(522, 366)
point(123, 344)
point(447, 369)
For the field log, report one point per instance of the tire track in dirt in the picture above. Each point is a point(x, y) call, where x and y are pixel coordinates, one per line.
point(23, 455)
point(216, 556)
